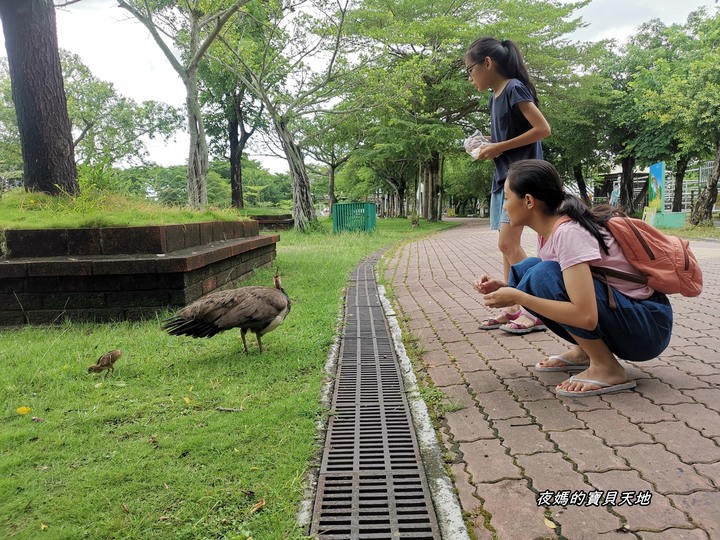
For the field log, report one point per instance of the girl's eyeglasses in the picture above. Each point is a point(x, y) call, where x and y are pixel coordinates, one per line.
point(469, 69)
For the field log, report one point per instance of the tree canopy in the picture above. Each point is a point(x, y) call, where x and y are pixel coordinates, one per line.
point(373, 96)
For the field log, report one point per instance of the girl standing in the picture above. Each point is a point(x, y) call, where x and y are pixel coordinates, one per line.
point(603, 318)
point(516, 127)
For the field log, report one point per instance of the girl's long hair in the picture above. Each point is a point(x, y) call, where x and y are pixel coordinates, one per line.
point(508, 57)
point(540, 179)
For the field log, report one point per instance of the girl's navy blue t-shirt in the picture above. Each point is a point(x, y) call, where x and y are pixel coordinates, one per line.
point(507, 122)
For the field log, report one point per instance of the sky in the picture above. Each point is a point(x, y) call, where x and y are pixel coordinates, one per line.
point(120, 50)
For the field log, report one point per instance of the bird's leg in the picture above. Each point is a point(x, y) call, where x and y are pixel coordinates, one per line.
point(259, 342)
point(242, 335)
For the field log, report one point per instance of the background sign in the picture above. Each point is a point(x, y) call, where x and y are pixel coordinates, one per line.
point(656, 188)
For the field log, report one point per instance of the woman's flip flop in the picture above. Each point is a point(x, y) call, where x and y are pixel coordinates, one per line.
point(568, 365)
point(605, 388)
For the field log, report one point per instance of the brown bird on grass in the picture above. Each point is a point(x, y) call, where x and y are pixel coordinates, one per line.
point(106, 361)
point(255, 309)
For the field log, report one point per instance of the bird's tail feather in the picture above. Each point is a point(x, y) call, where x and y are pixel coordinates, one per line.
point(177, 326)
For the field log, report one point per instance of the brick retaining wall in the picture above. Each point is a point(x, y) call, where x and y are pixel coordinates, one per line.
point(123, 273)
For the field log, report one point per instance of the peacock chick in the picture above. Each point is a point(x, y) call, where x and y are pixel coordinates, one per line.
point(256, 309)
point(106, 362)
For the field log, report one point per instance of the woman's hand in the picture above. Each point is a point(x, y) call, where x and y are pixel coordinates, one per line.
point(485, 284)
point(489, 151)
point(502, 297)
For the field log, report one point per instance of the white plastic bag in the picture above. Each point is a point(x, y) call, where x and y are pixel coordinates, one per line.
point(474, 142)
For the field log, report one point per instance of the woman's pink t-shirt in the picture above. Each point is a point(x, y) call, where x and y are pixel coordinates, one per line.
point(572, 244)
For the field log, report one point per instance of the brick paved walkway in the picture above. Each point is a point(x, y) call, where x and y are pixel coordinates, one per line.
point(510, 440)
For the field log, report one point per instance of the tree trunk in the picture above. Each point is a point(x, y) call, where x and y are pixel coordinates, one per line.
point(582, 186)
point(627, 182)
point(400, 207)
point(198, 156)
point(39, 95)
point(680, 168)
point(702, 211)
point(431, 196)
point(303, 209)
point(331, 187)
point(441, 177)
point(236, 190)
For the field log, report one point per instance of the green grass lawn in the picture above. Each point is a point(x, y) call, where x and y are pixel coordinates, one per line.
point(146, 453)
point(21, 210)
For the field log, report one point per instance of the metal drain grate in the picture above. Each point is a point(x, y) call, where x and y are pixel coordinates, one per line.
point(371, 483)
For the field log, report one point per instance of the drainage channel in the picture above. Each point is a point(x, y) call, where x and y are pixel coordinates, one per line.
point(371, 483)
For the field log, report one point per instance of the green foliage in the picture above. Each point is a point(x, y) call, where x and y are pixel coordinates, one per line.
point(423, 104)
point(467, 181)
point(11, 164)
point(145, 453)
point(397, 96)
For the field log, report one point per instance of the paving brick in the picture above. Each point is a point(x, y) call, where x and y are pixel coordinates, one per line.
point(677, 378)
point(694, 367)
point(450, 335)
point(522, 437)
point(449, 447)
point(500, 405)
point(445, 375)
point(552, 415)
point(705, 354)
point(491, 349)
point(660, 393)
point(613, 428)
point(468, 425)
point(529, 357)
point(710, 397)
point(508, 368)
point(528, 389)
point(686, 442)
point(514, 511)
point(674, 534)
point(663, 469)
point(587, 523)
point(636, 407)
point(487, 461)
point(713, 380)
point(470, 504)
point(550, 379)
point(550, 472)
point(710, 471)
point(417, 323)
point(697, 416)
point(425, 333)
point(484, 381)
point(468, 327)
point(591, 403)
point(656, 516)
point(586, 451)
point(436, 358)
point(458, 396)
point(703, 507)
point(686, 332)
point(467, 358)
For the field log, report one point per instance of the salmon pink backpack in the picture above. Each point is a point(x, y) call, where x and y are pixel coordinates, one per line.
point(666, 262)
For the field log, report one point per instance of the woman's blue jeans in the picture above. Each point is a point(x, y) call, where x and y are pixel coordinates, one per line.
point(635, 330)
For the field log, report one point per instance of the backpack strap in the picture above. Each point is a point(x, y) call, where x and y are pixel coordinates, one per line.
point(602, 274)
